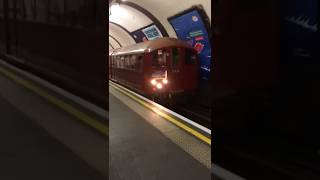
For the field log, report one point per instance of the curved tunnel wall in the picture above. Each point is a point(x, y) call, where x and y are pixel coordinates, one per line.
point(136, 14)
point(119, 36)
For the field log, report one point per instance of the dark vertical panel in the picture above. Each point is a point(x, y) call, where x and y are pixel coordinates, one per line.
point(42, 9)
point(7, 25)
point(56, 11)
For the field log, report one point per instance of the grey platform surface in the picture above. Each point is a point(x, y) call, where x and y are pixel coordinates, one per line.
point(138, 151)
point(28, 152)
point(41, 141)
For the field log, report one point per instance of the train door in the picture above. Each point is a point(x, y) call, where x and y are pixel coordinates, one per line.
point(175, 67)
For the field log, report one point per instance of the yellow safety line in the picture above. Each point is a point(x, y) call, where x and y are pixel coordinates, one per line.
point(68, 108)
point(164, 115)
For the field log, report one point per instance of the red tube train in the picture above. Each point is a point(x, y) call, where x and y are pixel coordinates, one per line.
point(162, 68)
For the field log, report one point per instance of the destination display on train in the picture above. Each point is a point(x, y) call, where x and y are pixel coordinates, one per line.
point(190, 27)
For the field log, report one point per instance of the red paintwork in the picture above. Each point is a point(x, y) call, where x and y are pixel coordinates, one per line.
point(183, 79)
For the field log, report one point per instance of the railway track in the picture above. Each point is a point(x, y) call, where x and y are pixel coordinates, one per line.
point(196, 113)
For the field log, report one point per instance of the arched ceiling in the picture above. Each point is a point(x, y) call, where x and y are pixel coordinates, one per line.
point(120, 35)
point(126, 16)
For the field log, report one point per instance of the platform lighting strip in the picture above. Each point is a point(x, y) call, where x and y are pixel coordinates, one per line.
point(144, 101)
point(101, 128)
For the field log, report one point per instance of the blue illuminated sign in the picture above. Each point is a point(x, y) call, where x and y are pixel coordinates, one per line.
point(190, 27)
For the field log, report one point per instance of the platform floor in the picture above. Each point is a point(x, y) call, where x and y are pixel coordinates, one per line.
point(41, 141)
point(143, 146)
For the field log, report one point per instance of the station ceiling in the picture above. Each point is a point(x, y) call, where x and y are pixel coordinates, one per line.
point(128, 17)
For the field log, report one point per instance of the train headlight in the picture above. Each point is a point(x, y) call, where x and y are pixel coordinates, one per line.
point(153, 82)
point(165, 81)
point(159, 85)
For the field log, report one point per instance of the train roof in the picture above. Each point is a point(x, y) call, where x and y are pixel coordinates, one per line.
point(150, 46)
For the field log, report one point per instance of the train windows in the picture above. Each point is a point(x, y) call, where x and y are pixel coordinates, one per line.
point(159, 58)
point(190, 57)
point(133, 62)
point(175, 57)
point(139, 63)
point(111, 61)
point(114, 64)
point(118, 62)
point(127, 62)
point(121, 62)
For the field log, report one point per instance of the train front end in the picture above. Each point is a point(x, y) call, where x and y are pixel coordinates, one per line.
point(169, 76)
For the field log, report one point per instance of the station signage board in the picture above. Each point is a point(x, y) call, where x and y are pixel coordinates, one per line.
point(151, 32)
point(147, 33)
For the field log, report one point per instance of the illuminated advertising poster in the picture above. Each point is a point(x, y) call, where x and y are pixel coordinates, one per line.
point(300, 27)
point(189, 27)
point(149, 33)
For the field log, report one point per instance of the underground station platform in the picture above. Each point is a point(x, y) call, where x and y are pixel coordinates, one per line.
point(148, 141)
point(47, 133)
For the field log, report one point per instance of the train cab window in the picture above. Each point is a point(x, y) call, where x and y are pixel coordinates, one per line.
point(118, 62)
point(121, 62)
point(190, 57)
point(175, 57)
point(112, 61)
point(159, 58)
point(127, 62)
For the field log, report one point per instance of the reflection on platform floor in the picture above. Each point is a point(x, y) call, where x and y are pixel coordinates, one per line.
point(42, 141)
point(143, 146)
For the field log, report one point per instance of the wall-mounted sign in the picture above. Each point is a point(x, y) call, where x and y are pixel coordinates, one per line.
point(152, 32)
point(189, 27)
point(148, 33)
